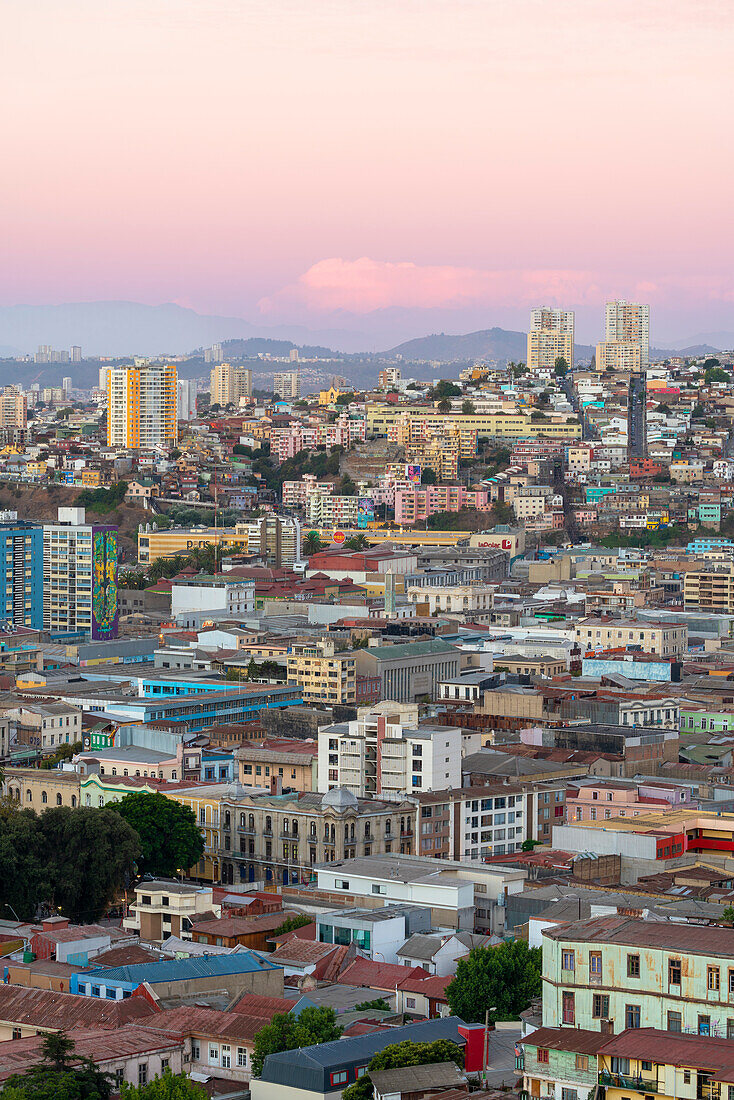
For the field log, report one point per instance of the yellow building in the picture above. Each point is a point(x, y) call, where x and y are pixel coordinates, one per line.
point(497, 425)
point(618, 355)
point(142, 405)
point(322, 674)
point(166, 544)
point(551, 337)
point(204, 803)
point(36, 789)
point(229, 383)
point(328, 397)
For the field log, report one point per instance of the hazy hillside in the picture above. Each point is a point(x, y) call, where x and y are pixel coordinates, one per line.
point(492, 343)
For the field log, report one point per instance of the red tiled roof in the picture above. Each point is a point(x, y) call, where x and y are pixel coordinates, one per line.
point(210, 1022)
point(255, 1004)
point(45, 1009)
point(376, 975)
point(433, 986)
point(101, 1045)
point(301, 952)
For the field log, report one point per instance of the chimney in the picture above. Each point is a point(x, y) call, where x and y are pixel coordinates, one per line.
point(607, 1027)
point(276, 784)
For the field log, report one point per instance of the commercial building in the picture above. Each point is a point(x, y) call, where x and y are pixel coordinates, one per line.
point(551, 337)
point(629, 322)
point(228, 383)
point(637, 974)
point(21, 574)
point(411, 670)
point(665, 639)
point(380, 419)
point(322, 674)
point(276, 539)
point(379, 757)
point(414, 505)
point(218, 595)
point(80, 577)
point(280, 838)
point(474, 600)
point(141, 406)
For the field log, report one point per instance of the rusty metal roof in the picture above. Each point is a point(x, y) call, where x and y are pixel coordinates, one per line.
point(690, 939)
point(574, 1039)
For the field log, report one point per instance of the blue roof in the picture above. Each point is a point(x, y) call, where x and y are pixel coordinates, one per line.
point(180, 970)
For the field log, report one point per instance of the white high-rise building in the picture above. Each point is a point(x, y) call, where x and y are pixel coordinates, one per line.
point(551, 337)
point(80, 576)
point(66, 386)
point(286, 385)
point(141, 405)
point(186, 399)
point(629, 323)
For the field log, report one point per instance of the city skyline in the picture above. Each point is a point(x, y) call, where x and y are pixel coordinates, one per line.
point(366, 166)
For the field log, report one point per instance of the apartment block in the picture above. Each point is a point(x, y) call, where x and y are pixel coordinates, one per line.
point(377, 756)
point(709, 590)
point(323, 675)
point(13, 408)
point(228, 383)
point(80, 577)
point(21, 574)
point(287, 385)
point(162, 909)
point(619, 355)
point(551, 337)
point(142, 406)
point(413, 505)
point(629, 322)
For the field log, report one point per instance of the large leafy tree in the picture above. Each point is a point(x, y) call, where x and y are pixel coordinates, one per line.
point(90, 856)
point(59, 1075)
point(404, 1054)
point(503, 979)
point(168, 1087)
point(287, 1032)
point(170, 840)
point(24, 871)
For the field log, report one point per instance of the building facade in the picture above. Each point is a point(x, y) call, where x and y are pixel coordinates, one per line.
point(142, 406)
point(551, 337)
point(21, 574)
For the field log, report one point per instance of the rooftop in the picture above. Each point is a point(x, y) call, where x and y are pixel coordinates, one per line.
point(664, 935)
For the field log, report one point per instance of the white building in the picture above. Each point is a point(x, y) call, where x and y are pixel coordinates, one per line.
point(79, 576)
point(377, 756)
point(286, 385)
point(629, 322)
point(141, 405)
point(224, 599)
point(551, 337)
point(186, 389)
point(459, 599)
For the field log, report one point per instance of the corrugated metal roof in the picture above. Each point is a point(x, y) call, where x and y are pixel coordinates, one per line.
point(574, 1039)
point(686, 938)
point(181, 970)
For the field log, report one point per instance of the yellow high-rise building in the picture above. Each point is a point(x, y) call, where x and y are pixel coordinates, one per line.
point(629, 323)
point(551, 337)
point(229, 383)
point(142, 405)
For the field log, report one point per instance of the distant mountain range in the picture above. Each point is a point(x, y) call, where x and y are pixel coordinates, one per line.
point(492, 343)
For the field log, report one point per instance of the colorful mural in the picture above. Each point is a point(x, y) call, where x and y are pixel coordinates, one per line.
point(105, 609)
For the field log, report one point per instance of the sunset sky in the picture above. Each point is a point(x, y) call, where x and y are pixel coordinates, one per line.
point(306, 160)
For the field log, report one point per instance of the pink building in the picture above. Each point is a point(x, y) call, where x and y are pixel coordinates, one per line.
point(414, 505)
point(602, 801)
point(285, 443)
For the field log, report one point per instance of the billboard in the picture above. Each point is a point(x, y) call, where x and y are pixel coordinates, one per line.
point(105, 604)
point(413, 473)
point(338, 537)
point(365, 511)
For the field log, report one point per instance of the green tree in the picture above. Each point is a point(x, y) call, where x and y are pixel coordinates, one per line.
point(728, 913)
point(290, 924)
point(444, 405)
point(24, 878)
point(170, 840)
point(90, 856)
point(663, 408)
point(345, 398)
point(697, 411)
point(379, 1003)
point(506, 977)
point(428, 477)
point(468, 407)
point(560, 368)
point(716, 374)
point(287, 1032)
point(501, 512)
point(356, 542)
point(536, 414)
point(168, 1087)
point(312, 543)
point(445, 389)
point(59, 1075)
point(402, 1054)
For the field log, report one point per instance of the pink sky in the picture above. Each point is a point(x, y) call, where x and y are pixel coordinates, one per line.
point(290, 159)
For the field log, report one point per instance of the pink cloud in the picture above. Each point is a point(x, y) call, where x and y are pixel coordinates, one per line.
point(364, 285)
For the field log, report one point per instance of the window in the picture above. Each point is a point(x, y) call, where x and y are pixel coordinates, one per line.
point(704, 1025)
point(213, 1055)
point(195, 1050)
point(568, 1008)
point(17, 1033)
point(595, 967)
point(633, 966)
point(675, 1021)
point(632, 1016)
point(712, 978)
point(646, 1066)
point(600, 1006)
point(569, 1094)
point(621, 1065)
point(582, 1062)
point(96, 991)
point(143, 1073)
point(542, 1056)
point(341, 884)
point(242, 1056)
point(226, 1056)
point(360, 1072)
point(568, 960)
point(674, 971)
point(339, 1078)
point(410, 1002)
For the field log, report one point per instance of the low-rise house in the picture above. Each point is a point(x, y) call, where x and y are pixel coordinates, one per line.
point(439, 952)
point(252, 932)
point(236, 973)
point(560, 1062)
point(28, 1011)
point(162, 909)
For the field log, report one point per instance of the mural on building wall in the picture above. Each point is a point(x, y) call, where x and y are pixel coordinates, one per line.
point(105, 610)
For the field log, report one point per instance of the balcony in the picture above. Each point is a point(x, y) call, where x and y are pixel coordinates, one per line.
point(632, 1084)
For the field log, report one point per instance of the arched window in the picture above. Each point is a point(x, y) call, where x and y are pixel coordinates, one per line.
point(268, 825)
point(44, 797)
point(125, 772)
point(346, 833)
point(333, 833)
point(58, 799)
point(294, 829)
point(29, 796)
point(227, 819)
point(73, 801)
point(114, 771)
point(242, 821)
point(251, 821)
point(286, 826)
point(352, 830)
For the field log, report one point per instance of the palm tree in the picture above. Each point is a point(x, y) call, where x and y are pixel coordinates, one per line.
point(311, 543)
